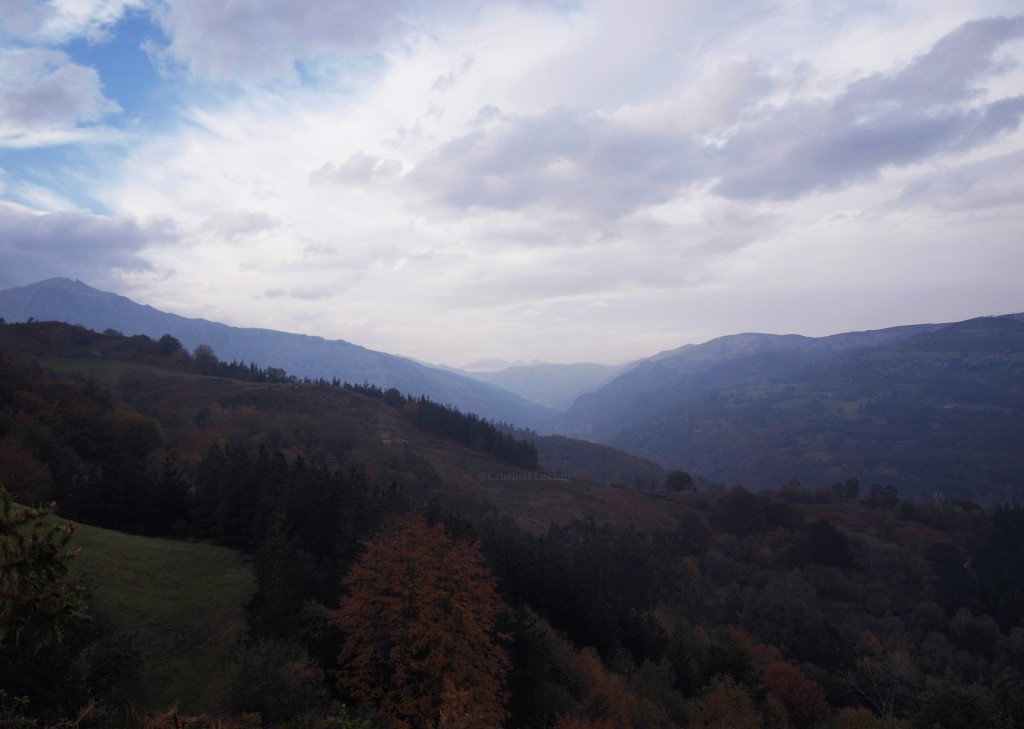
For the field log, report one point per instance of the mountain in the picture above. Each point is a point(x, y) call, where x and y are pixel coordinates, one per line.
point(494, 365)
point(61, 299)
point(149, 398)
point(932, 409)
point(737, 360)
point(554, 386)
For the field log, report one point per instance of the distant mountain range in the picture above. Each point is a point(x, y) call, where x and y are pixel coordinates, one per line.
point(495, 365)
point(61, 299)
point(930, 408)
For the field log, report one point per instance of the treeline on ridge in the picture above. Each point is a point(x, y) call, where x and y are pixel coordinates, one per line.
point(467, 429)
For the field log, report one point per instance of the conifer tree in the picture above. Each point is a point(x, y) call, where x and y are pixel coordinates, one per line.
point(33, 562)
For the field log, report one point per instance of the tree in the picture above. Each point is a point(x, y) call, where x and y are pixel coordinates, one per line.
point(955, 707)
point(679, 481)
point(885, 682)
point(168, 345)
point(822, 543)
point(206, 360)
point(33, 562)
point(739, 512)
point(803, 699)
point(724, 705)
point(420, 624)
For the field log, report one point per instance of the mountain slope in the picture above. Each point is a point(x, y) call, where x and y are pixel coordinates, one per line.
point(184, 414)
point(938, 412)
point(61, 299)
point(183, 603)
point(740, 360)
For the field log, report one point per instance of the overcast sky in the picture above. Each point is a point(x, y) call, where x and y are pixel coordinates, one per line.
point(596, 180)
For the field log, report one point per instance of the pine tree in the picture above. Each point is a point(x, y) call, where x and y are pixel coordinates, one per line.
point(33, 561)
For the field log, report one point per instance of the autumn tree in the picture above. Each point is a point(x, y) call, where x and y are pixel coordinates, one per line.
point(803, 699)
point(724, 705)
point(420, 624)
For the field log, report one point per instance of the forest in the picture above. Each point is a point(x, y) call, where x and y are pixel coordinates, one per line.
point(379, 604)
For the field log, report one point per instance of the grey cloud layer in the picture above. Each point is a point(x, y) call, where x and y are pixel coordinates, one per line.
point(886, 119)
point(564, 159)
point(985, 185)
point(578, 160)
point(34, 246)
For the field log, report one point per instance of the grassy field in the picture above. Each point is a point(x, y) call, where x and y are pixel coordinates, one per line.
point(183, 602)
point(104, 371)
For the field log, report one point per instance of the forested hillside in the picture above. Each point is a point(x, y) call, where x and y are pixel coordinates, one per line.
point(935, 411)
point(402, 581)
point(73, 302)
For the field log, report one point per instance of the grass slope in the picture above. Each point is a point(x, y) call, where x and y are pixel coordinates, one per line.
point(183, 602)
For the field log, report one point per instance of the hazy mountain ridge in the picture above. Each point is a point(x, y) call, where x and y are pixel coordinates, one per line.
point(940, 411)
point(61, 299)
point(495, 364)
point(737, 360)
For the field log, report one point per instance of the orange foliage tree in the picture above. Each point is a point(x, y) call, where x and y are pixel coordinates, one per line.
point(803, 699)
point(724, 705)
point(420, 624)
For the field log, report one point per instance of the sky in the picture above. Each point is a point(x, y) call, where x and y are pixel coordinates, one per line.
point(452, 180)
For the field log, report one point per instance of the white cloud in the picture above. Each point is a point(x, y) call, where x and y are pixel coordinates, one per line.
point(57, 21)
point(238, 224)
point(268, 40)
point(46, 97)
point(360, 169)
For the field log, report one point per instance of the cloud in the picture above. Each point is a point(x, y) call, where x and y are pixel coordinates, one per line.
point(988, 184)
point(58, 21)
point(45, 95)
point(264, 40)
point(35, 246)
point(21, 18)
point(562, 159)
point(609, 165)
point(897, 119)
point(360, 169)
point(944, 75)
point(238, 224)
point(302, 294)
